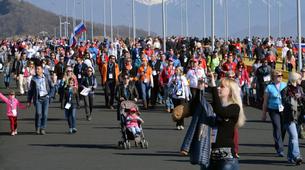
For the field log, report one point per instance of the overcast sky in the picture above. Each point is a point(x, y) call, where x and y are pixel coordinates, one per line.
point(238, 15)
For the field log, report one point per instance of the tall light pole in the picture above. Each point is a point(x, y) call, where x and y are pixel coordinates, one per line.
point(299, 24)
point(85, 18)
point(181, 17)
point(227, 19)
point(91, 20)
point(74, 14)
point(163, 20)
point(133, 21)
point(149, 17)
point(66, 22)
point(204, 25)
point(83, 15)
point(111, 26)
point(104, 19)
point(249, 19)
point(212, 24)
point(186, 20)
point(269, 19)
point(280, 22)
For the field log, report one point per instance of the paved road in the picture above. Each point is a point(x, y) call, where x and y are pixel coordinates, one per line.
point(94, 146)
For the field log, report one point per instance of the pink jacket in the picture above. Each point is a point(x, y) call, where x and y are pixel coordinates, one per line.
point(11, 104)
point(132, 121)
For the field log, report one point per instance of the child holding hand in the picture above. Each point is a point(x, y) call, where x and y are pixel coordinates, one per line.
point(11, 109)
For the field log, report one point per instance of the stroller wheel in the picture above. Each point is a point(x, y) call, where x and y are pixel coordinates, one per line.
point(128, 145)
point(142, 144)
point(146, 145)
point(120, 145)
point(125, 145)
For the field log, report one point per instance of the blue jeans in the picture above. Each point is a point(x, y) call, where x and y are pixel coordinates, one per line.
point(134, 130)
point(293, 142)
point(71, 117)
point(145, 88)
point(225, 164)
point(277, 119)
point(168, 100)
point(41, 115)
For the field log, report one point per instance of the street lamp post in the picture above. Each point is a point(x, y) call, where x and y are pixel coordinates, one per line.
point(212, 24)
point(299, 35)
point(163, 20)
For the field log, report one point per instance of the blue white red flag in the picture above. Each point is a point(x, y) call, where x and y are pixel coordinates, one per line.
point(80, 28)
point(72, 41)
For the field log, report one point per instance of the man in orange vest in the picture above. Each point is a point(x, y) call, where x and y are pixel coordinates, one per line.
point(110, 74)
point(146, 81)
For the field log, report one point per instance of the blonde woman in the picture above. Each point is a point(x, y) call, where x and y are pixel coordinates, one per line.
point(293, 100)
point(227, 105)
point(273, 105)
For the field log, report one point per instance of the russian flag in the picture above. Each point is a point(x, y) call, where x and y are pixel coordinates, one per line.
point(296, 47)
point(80, 28)
point(72, 41)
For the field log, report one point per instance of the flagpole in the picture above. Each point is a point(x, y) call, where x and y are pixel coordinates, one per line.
point(212, 23)
point(60, 31)
point(299, 35)
point(133, 21)
point(85, 19)
point(163, 20)
point(111, 26)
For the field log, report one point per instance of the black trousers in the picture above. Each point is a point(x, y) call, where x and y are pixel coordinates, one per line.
point(88, 100)
point(109, 92)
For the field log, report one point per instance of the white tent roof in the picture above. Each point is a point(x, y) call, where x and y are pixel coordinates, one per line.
point(151, 2)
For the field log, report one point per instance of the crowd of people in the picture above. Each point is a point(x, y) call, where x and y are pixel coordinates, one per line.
point(48, 69)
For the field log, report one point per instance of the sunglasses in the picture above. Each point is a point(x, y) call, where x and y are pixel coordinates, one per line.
point(69, 70)
point(89, 70)
point(279, 76)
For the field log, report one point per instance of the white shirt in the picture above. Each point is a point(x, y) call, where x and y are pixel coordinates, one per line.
point(193, 75)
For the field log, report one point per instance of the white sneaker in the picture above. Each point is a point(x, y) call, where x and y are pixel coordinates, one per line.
point(13, 134)
point(178, 128)
point(16, 132)
point(181, 127)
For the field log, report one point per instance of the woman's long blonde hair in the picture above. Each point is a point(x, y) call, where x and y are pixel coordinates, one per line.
point(235, 98)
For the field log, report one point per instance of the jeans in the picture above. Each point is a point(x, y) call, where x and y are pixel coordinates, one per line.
point(168, 100)
point(7, 79)
point(41, 115)
point(145, 88)
point(293, 142)
point(277, 119)
point(71, 117)
point(224, 164)
point(134, 130)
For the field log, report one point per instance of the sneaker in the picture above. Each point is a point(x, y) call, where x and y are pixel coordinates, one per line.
point(298, 161)
point(178, 128)
point(15, 132)
point(181, 127)
point(12, 133)
point(70, 131)
point(37, 131)
point(280, 154)
point(42, 132)
point(168, 110)
point(74, 130)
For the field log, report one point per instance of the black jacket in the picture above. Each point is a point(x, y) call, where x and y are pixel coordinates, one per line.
point(74, 98)
point(132, 91)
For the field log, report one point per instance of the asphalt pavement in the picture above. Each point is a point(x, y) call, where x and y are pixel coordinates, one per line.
point(94, 146)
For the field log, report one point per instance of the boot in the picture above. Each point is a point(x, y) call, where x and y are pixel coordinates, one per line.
point(145, 105)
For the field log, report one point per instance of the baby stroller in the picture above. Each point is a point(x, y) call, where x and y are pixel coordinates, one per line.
point(127, 136)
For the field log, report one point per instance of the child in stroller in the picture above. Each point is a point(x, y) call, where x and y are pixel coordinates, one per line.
point(131, 126)
point(132, 122)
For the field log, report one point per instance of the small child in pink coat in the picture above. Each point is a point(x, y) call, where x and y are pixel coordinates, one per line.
point(11, 109)
point(132, 122)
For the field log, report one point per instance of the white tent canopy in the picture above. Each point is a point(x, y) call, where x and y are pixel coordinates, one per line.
point(151, 2)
